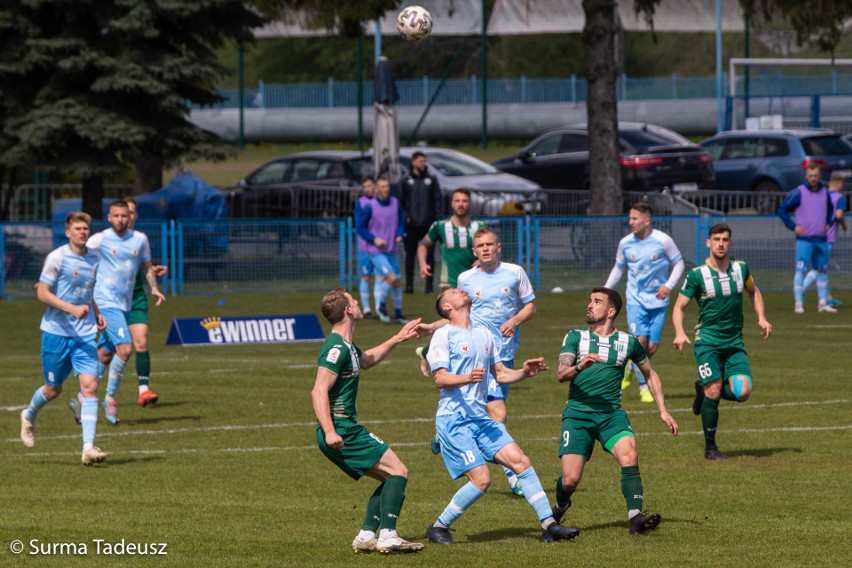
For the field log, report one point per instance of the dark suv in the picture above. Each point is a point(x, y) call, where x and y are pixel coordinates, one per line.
point(652, 158)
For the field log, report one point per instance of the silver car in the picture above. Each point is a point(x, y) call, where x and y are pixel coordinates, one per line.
point(493, 192)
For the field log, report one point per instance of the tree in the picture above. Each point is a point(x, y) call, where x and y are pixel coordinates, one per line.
point(601, 73)
point(94, 88)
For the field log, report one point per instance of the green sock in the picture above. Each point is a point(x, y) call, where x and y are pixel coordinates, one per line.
point(143, 367)
point(563, 496)
point(631, 487)
point(374, 511)
point(709, 420)
point(727, 393)
point(392, 497)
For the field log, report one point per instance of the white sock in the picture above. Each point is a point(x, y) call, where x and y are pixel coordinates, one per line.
point(385, 534)
point(366, 535)
point(143, 388)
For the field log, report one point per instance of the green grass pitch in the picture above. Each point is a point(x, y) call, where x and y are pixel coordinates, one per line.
point(225, 471)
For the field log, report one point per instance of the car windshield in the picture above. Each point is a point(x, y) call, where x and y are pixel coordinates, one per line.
point(453, 164)
point(825, 146)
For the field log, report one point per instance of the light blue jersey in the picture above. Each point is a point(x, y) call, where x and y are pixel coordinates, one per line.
point(647, 261)
point(461, 350)
point(71, 278)
point(496, 297)
point(121, 257)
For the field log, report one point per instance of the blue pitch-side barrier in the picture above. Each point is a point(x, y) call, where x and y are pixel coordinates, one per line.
point(311, 255)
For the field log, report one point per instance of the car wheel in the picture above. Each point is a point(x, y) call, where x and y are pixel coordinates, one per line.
point(767, 195)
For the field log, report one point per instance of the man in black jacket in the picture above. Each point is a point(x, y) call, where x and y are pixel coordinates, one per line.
point(422, 205)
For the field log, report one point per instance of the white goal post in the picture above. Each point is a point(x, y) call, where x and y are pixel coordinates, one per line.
point(734, 61)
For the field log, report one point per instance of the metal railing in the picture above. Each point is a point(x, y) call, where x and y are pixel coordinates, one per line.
point(573, 89)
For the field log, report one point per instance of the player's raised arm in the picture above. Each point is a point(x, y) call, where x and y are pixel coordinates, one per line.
point(376, 355)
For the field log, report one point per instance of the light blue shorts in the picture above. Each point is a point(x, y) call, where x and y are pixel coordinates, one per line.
point(467, 443)
point(498, 391)
point(116, 332)
point(645, 322)
point(365, 264)
point(59, 354)
point(385, 264)
point(811, 255)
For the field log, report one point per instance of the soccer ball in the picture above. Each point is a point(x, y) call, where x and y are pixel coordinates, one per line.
point(414, 23)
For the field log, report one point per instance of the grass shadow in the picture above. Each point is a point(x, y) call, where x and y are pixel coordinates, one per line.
point(761, 452)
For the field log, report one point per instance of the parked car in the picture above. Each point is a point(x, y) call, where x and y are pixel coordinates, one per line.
point(652, 158)
point(306, 184)
point(327, 183)
point(493, 192)
point(774, 160)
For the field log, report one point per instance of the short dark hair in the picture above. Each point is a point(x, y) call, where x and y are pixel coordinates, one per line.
point(130, 199)
point(613, 298)
point(461, 190)
point(367, 178)
point(643, 208)
point(719, 228)
point(417, 154)
point(119, 203)
point(441, 312)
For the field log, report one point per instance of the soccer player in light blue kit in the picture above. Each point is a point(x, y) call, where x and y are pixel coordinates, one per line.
point(69, 331)
point(502, 299)
point(647, 254)
point(463, 358)
point(123, 251)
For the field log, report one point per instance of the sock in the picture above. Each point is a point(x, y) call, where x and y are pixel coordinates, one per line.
point(810, 278)
point(631, 488)
point(374, 511)
point(89, 421)
point(822, 287)
point(391, 500)
point(727, 393)
point(563, 496)
point(534, 493)
point(101, 369)
point(36, 403)
point(511, 477)
point(116, 374)
point(364, 291)
point(709, 420)
point(380, 292)
point(396, 298)
point(461, 502)
point(366, 535)
point(640, 378)
point(798, 290)
point(143, 369)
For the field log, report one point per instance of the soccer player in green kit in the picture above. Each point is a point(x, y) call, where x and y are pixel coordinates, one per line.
point(593, 361)
point(345, 442)
point(722, 361)
point(456, 237)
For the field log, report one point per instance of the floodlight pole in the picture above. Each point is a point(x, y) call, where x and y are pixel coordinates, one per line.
point(484, 78)
point(242, 90)
point(720, 89)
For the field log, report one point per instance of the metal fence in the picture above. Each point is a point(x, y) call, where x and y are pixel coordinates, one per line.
point(573, 89)
point(571, 252)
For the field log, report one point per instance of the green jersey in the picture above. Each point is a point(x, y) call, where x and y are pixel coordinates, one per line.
point(720, 302)
point(342, 359)
point(456, 248)
point(598, 388)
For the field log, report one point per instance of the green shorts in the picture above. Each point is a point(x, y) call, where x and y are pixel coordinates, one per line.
point(138, 309)
point(581, 429)
point(715, 363)
point(361, 448)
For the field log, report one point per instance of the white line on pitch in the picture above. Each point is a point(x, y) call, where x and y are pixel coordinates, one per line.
point(106, 433)
point(421, 443)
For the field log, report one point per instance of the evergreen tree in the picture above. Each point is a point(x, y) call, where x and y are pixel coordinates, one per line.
point(93, 88)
